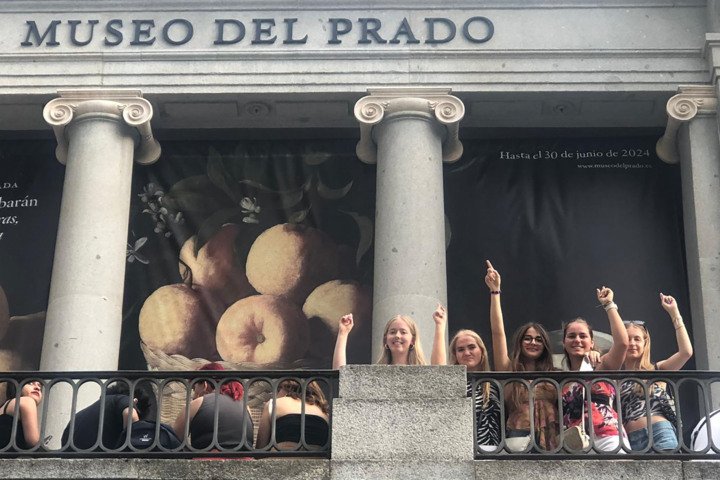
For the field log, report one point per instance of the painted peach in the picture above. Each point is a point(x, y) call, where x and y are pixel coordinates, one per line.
point(175, 320)
point(263, 329)
point(291, 261)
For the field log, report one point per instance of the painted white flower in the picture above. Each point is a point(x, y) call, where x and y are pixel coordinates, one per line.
point(249, 205)
point(133, 253)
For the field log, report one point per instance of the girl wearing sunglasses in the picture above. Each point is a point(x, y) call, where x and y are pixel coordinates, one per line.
point(632, 394)
point(530, 352)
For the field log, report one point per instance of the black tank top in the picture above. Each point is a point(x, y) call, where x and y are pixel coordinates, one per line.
point(6, 422)
point(287, 429)
point(233, 420)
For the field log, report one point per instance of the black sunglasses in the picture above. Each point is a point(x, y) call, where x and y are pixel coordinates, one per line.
point(639, 323)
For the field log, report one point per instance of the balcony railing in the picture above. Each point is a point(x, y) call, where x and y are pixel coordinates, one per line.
point(66, 394)
point(690, 394)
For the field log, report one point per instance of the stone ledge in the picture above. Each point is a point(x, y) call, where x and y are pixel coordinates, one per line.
point(402, 469)
point(151, 469)
point(306, 469)
point(395, 382)
point(701, 469)
point(553, 469)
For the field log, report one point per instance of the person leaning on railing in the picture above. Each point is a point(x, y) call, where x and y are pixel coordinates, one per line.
point(531, 351)
point(27, 434)
point(235, 425)
point(116, 417)
point(401, 341)
point(289, 413)
point(577, 344)
point(632, 394)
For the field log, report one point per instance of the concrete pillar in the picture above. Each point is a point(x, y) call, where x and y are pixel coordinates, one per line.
point(409, 133)
point(97, 133)
point(394, 421)
point(692, 139)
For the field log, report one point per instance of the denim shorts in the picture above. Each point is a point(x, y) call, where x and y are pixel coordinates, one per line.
point(664, 437)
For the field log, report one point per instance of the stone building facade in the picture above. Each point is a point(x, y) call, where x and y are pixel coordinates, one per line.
point(105, 75)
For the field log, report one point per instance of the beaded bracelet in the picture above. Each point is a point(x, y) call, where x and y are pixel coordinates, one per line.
point(610, 306)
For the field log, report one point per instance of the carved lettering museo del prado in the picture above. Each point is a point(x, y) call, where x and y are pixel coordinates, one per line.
point(176, 32)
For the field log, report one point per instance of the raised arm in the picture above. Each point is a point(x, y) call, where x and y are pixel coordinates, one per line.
point(615, 357)
point(439, 350)
point(685, 349)
point(340, 356)
point(499, 341)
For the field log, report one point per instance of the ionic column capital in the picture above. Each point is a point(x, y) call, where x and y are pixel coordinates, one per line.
point(690, 102)
point(432, 104)
point(126, 106)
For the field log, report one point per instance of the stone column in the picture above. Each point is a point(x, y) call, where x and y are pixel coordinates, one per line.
point(98, 134)
point(691, 138)
point(409, 133)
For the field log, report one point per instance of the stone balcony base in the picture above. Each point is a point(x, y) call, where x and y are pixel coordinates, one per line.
point(320, 469)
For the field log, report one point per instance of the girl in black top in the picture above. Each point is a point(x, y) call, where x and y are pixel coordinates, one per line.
point(289, 413)
point(26, 408)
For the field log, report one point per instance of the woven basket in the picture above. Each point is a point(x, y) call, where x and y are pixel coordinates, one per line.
point(174, 394)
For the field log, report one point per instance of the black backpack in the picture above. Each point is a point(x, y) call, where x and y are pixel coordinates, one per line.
point(142, 436)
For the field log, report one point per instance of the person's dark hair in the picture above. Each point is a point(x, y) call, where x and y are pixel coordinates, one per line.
point(544, 363)
point(566, 358)
point(10, 391)
point(232, 389)
point(313, 393)
point(143, 393)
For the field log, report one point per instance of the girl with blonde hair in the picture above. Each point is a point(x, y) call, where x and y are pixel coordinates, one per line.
point(467, 348)
point(401, 341)
point(632, 394)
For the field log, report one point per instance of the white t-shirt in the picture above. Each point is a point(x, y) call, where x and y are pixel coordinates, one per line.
point(699, 438)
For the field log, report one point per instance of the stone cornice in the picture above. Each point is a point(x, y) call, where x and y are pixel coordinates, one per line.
point(690, 102)
point(56, 6)
point(712, 53)
point(431, 103)
point(123, 105)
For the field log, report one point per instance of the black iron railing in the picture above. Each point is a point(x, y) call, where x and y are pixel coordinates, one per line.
point(67, 395)
point(689, 392)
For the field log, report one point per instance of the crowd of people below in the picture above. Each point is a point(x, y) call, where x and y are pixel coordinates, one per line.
point(533, 417)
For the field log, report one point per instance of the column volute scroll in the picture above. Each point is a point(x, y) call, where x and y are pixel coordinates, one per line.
point(123, 105)
point(431, 103)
